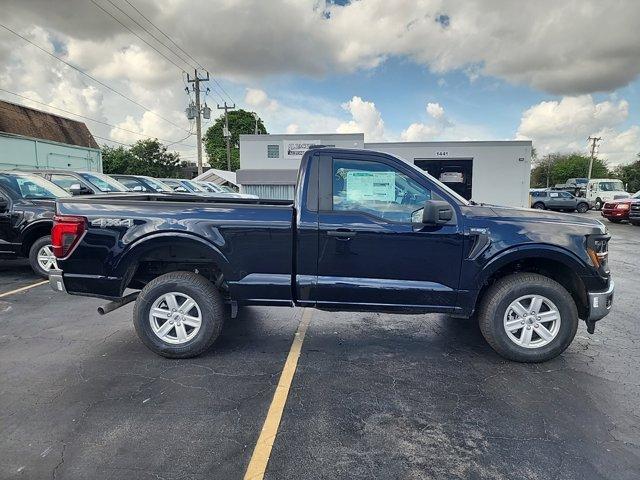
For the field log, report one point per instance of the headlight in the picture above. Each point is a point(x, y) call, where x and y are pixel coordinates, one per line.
point(598, 251)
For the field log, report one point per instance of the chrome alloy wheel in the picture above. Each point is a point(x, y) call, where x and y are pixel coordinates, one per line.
point(532, 321)
point(46, 258)
point(175, 318)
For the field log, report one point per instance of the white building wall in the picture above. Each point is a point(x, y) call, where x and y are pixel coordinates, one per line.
point(501, 170)
point(254, 148)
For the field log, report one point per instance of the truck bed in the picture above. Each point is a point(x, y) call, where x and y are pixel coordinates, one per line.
point(133, 236)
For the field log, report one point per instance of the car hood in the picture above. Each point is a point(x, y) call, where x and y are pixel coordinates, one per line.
point(534, 216)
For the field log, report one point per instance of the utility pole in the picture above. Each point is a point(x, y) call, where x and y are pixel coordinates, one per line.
point(594, 144)
point(226, 132)
point(198, 112)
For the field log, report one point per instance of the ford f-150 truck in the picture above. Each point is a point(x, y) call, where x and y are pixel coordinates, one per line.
point(366, 232)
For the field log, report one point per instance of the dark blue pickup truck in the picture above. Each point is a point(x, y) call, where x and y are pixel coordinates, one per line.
point(366, 232)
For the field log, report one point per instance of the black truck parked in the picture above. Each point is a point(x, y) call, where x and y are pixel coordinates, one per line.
point(366, 232)
point(26, 217)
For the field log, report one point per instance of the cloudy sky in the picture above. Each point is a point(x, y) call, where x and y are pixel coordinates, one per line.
point(551, 71)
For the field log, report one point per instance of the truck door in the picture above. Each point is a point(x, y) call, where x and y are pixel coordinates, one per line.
point(371, 248)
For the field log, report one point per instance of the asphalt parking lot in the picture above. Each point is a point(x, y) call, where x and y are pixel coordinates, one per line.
point(374, 396)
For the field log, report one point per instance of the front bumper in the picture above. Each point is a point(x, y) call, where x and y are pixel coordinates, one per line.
point(600, 303)
point(55, 281)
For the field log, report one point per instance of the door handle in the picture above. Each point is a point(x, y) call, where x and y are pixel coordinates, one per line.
point(341, 233)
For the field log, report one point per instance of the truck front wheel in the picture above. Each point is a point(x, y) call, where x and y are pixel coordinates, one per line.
point(527, 317)
point(179, 314)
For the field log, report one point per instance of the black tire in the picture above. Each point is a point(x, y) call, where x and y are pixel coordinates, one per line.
point(598, 205)
point(637, 224)
point(33, 255)
point(501, 294)
point(582, 207)
point(208, 300)
point(539, 206)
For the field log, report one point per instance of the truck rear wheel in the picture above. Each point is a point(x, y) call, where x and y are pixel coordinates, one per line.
point(527, 317)
point(179, 314)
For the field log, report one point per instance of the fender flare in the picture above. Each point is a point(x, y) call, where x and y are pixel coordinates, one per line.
point(196, 246)
point(27, 232)
point(521, 252)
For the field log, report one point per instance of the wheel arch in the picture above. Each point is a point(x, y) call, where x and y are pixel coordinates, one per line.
point(551, 261)
point(165, 252)
point(33, 232)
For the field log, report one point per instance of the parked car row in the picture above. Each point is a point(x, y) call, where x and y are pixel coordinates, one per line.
point(27, 203)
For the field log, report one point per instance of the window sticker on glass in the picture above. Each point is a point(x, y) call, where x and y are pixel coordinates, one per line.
point(376, 186)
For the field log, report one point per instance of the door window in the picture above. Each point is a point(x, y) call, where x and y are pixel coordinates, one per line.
point(64, 181)
point(566, 195)
point(377, 189)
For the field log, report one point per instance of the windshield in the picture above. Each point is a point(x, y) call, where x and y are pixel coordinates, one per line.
point(211, 187)
point(194, 187)
point(207, 187)
point(636, 195)
point(158, 185)
point(613, 186)
point(31, 186)
point(103, 182)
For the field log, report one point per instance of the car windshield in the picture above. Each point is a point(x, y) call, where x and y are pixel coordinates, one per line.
point(31, 186)
point(103, 182)
point(194, 187)
point(613, 186)
point(207, 187)
point(158, 185)
point(636, 195)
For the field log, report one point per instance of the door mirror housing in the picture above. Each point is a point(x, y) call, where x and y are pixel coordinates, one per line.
point(437, 212)
point(77, 189)
point(138, 188)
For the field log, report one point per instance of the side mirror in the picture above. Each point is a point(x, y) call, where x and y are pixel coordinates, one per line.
point(77, 189)
point(138, 188)
point(437, 212)
point(4, 204)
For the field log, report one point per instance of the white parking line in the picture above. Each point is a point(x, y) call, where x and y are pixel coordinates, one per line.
point(22, 289)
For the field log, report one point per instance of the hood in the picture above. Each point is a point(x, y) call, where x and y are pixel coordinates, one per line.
point(530, 215)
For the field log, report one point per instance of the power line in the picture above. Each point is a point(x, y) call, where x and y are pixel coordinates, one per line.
point(77, 69)
point(150, 34)
point(179, 48)
point(98, 121)
point(134, 33)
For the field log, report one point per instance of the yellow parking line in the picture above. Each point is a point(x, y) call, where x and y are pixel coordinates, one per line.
point(262, 451)
point(22, 289)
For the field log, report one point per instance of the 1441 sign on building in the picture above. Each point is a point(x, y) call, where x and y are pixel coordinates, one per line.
point(294, 149)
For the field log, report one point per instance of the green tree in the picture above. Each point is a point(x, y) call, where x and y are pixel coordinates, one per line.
point(630, 175)
point(240, 122)
point(145, 157)
point(557, 168)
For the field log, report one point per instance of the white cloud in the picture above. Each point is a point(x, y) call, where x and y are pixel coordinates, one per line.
point(572, 47)
point(365, 118)
point(258, 99)
point(565, 125)
point(435, 110)
point(292, 128)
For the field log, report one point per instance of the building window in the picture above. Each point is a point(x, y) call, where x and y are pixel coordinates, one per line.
point(273, 151)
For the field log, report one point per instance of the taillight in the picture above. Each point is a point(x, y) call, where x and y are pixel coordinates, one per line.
point(66, 234)
point(622, 206)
